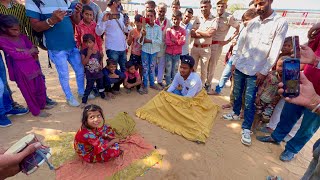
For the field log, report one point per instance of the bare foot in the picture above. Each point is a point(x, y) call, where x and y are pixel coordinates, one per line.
point(110, 95)
point(82, 105)
point(226, 106)
point(44, 114)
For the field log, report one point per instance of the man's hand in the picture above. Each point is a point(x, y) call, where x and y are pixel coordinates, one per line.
point(57, 16)
point(78, 8)
point(260, 78)
point(106, 17)
point(308, 56)
point(313, 32)
point(307, 97)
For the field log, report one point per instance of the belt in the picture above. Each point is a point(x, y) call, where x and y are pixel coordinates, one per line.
point(202, 45)
point(216, 42)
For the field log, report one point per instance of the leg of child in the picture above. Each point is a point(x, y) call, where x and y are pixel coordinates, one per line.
point(109, 90)
point(110, 153)
point(100, 87)
point(87, 91)
point(116, 87)
point(151, 63)
point(28, 89)
point(169, 59)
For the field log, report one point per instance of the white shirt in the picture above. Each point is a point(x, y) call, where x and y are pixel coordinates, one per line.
point(114, 35)
point(185, 47)
point(190, 87)
point(259, 44)
point(153, 33)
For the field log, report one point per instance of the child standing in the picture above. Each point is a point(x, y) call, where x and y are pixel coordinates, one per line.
point(267, 96)
point(87, 26)
point(151, 40)
point(175, 39)
point(113, 78)
point(22, 66)
point(132, 79)
point(134, 35)
point(95, 141)
point(92, 60)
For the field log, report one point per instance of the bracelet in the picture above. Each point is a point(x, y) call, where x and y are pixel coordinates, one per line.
point(316, 108)
point(47, 21)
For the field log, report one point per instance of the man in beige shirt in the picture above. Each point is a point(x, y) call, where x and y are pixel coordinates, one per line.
point(225, 20)
point(202, 32)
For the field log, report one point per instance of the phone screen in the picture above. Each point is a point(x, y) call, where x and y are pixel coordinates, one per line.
point(296, 47)
point(291, 77)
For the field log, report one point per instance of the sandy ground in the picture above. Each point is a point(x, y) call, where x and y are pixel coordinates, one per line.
point(222, 157)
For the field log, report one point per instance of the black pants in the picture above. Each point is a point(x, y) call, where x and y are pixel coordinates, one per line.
point(134, 80)
point(90, 86)
point(114, 87)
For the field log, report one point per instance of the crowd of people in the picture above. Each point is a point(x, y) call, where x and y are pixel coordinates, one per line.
point(160, 57)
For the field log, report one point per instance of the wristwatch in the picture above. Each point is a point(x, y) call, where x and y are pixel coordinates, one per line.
point(47, 21)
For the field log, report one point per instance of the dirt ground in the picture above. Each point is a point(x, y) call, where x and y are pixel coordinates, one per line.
point(222, 157)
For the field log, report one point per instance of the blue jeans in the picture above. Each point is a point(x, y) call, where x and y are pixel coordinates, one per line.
point(5, 96)
point(243, 82)
point(61, 59)
point(148, 64)
point(120, 57)
point(289, 116)
point(225, 76)
point(172, 62)
point(177, 92)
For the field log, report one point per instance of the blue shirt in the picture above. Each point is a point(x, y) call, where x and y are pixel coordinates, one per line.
point(61, 36)
point(109, 81)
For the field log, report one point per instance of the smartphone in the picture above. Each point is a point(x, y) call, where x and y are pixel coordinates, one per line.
point(291, 77)
point(296, 47)
point(69, 12)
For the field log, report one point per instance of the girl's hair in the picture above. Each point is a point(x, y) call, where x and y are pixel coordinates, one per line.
point(129, 64)
point(85, 114)
point(7, 21)
point(249, 14)
point(137, 17)
point(288, 39)
point(88, 37)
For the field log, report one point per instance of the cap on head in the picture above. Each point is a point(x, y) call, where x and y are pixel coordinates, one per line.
point(188, 60)
point(222, 1)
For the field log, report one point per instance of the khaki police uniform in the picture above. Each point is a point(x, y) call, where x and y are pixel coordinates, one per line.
point(201, 50)
point(225, 21)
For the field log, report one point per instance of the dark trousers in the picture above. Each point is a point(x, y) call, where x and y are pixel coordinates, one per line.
point(132, 81)
point(90, 86)
point(114, 87)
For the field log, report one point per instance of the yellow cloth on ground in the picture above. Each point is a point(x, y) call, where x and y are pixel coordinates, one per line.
point(122, 124)
point(191, 118)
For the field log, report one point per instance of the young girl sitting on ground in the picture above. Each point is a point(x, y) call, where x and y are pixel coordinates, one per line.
point(95, 141)
point(133, 78)
point(22, 66)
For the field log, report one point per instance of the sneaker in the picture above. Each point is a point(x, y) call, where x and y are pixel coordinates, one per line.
point(246, 138)
point(140, 91)
point(73, 102)
point(4, 121)
point(286, 156)
point(145, 90)
point(231, 116)
point(17, 112)
point(50, 102)
point(91, 96)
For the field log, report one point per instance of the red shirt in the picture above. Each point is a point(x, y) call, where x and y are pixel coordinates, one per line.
point(82, 29)
point(311, 72)
point(175, 48)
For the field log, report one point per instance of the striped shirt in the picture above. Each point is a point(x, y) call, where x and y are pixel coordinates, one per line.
point(153, 33)
point(19, 11)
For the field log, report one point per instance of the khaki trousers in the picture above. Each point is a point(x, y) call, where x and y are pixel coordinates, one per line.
point(216, 50)
point(201, 56)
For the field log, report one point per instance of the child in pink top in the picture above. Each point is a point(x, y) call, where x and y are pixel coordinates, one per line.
point(136, 47)
point(175, 39)
point(133, 78)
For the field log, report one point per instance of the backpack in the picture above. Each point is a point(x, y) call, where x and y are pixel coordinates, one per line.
point(39, 35)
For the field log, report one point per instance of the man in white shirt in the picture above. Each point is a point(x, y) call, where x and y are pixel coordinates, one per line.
point(258, 49)
point(112, 24)
point(186, 83)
